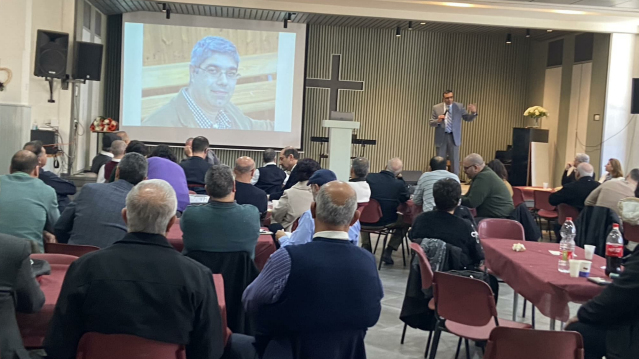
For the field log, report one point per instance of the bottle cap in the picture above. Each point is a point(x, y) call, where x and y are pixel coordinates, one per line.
point(615, 225)
point(568, 218)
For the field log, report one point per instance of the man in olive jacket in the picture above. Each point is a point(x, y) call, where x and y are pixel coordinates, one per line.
point(488, 193)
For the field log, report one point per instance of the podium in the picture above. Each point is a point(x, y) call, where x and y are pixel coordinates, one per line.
point(522, 153)
point(340, 134)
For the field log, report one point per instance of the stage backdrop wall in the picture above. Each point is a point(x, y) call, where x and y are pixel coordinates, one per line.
point(403, 78)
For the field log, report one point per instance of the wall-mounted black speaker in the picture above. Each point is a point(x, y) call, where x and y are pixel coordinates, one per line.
point(51, 54)
point(635, 97)
point(87, 61)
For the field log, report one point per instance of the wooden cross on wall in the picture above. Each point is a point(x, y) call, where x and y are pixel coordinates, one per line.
point(334, 84)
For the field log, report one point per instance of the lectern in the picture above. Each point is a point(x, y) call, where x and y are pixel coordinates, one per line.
point(340, 135)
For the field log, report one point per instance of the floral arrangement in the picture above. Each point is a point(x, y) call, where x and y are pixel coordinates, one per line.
point(101, 124)
point(536, 112)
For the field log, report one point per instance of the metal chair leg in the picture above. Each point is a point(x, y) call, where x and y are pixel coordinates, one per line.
point(377, 242)
point(523, 312)
point(467, 348)
point(458, 347)
point(433, 349)
point(533, 315)
point(384, 248)
point(403, 333)
point(430, 336)
point(403, 254)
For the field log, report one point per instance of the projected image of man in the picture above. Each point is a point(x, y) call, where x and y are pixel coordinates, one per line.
point(206, 102)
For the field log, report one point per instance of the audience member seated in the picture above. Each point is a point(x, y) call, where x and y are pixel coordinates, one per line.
point(139, 286)
point(210, 155)
point(487, 193)
point(318, 299)
point(423, 195)
point(28, 207)
point(390, 191)
point(609, 193)
point(222, 225)
point(306, 226)
point(245, 192)
point(163, 165)
point(95, 216)
point(134, 146)
point(570, 172)
point(609, 323)
point(63, 188)
point(118, 148)
point(297, 199)
point(614, 170)
point(288, 161)
point(105, 155)
point(441, 223)
point(269, 178)
point(20, 292)
point(575, 193)
point(196, 166)
point(359, 171)
point(498, 167)
point(123, 136)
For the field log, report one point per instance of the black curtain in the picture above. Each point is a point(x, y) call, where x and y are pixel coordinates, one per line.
point(113, 66)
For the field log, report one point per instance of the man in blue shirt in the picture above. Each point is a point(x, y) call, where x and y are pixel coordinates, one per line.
point(306, 224)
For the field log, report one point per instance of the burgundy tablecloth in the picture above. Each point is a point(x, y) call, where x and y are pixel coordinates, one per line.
point(263, 250)
point(529, 191)
point(533, 274)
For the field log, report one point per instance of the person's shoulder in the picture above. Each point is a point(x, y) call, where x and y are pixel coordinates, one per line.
point(249, 209)
point(14, 248)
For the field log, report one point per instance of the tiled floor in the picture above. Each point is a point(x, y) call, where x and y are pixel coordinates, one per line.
point(383, 340)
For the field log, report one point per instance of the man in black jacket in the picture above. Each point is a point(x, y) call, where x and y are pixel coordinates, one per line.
point(269, 178)
point(390, 191)
point(195, 167)
point(63, 188)
point(572, 168)
point(139, 286)
point(575, 193)
point(609, 323)
point(288, 161)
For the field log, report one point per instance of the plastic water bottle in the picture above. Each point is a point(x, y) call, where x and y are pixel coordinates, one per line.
point(567, 245)
point(614, 251)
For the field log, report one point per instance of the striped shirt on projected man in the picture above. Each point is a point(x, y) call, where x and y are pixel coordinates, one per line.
point(424, 191)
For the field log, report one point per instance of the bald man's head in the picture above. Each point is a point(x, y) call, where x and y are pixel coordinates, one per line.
point(25, 161)
point(244, 169)
point(335, 207)
point(395, 165)
point(473, 164)
point(584, 170)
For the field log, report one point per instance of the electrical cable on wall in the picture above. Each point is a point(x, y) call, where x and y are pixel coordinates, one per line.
point(598, 146)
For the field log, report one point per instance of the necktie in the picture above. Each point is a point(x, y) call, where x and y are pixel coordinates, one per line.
point(449, 120)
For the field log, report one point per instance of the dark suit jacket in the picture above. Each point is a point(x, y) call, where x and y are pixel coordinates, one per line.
point(293, 178)
point(565, 179)
point(99, 161)
point(390, 192)
point(95, 216)
point(63, 188)
point(246, 193)
point(195, 169)
point(617, 309)
point(574, 193)
point(139, 286)
point(19, 292)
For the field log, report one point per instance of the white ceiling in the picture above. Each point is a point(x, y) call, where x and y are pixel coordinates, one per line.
point(617, 4)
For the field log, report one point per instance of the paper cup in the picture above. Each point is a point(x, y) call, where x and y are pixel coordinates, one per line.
point(584, 268)
point(545, 185)
point(574, 268)
point(590, 251)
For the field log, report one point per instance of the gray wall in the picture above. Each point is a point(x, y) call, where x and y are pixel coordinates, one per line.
point(598, 100)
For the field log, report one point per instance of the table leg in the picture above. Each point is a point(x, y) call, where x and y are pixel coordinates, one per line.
point(515, 300)
point(552, 324)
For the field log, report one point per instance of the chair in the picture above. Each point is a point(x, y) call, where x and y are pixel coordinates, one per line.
point(518, 196)
point(54, 258)
point(631, 232)
point(507, 343)
point(371, 214)
point(564, 211)
point(70, 249)
point(465, 307)
point(107, 346)
point(543, 209)
point(501, 229)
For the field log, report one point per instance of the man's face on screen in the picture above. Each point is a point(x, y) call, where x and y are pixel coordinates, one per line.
point(214, 82)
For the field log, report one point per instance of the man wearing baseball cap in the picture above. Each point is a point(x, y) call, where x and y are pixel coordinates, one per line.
point(306, 224)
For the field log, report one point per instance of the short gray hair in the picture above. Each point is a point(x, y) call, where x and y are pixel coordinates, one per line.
point(361, 166)
point(269, 155)
point(582, 158)
point(150, 205)
point(474, 159)
point(118, 147)
point(133, 168)
point(219, 181)
point(333, 214)
point(585, 170)
point(394, 165)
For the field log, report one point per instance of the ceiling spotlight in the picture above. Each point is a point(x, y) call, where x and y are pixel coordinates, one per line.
point(410, 25)
point(457, 4)
point(548, 30)
point(398, 32)
point(164, 7)
point(509, 39)
point(569, 12)
point(527, 32)
point(289, 16)
point(422, 23)
point(286, 22)
point(168, 13)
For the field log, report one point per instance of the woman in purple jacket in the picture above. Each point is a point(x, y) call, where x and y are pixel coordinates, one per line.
point(163, 165)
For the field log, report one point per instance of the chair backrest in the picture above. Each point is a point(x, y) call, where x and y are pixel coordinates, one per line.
point(565, 210)
point(541, 199)
point(630, 232)
point(372, 213)
point(107, 346)
point(501, 228)
point(518, 196)
point(70, 249)
point(424, 265)
point(463, 300)
point(507, 343)
point(54, 258)
point(361, 206)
